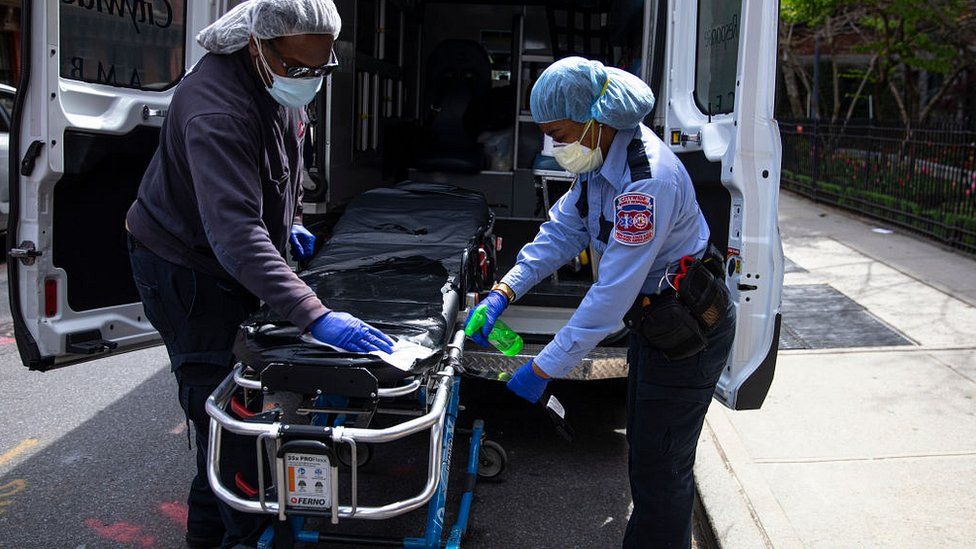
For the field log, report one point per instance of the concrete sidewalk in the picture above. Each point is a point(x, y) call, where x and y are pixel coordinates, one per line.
point(870, 446)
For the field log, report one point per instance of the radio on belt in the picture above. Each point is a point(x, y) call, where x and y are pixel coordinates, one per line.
point(308, 470)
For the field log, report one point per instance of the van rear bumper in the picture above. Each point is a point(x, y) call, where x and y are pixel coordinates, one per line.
point(601, 363)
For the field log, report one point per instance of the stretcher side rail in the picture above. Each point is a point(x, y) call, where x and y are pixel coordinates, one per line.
point(388, 392)
point(434, 420)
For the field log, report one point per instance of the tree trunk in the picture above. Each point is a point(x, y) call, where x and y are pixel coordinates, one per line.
point(789, 75)
point(902, 112)
point(803, 77)
point(834, 72)
point(947, 83)
point(922, 85)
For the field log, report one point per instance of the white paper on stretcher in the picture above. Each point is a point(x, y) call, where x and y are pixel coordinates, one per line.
point(404, 354)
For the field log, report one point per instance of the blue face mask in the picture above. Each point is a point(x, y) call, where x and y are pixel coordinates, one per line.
point(290, 92)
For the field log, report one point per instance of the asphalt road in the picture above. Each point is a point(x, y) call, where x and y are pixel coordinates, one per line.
point(95, 455)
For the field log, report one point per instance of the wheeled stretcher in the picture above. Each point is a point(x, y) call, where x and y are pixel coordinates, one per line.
point(401, 259)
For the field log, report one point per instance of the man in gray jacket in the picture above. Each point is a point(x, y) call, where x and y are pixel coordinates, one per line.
point(216, 207)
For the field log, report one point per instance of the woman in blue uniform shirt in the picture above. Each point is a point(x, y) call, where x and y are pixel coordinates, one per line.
point(635, 204)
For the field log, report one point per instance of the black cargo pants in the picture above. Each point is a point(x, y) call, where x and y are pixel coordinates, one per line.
point(666, 405)
point(198, 316)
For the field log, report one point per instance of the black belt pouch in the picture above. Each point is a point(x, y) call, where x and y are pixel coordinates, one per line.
point(703, 295)
point(667, 325)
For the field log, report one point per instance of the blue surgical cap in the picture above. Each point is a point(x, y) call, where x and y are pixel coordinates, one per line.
point(580, 89)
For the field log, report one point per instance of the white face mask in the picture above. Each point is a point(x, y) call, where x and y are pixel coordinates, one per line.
point(577, 158)
point(290, 92)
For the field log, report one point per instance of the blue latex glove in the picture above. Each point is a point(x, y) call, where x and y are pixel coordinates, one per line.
point(302, 243)
point(496, 303)
point(348, 332)
point(528, 384)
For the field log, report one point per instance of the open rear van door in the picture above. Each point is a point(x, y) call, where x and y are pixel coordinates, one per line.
point(718, 85)
point(95, 88)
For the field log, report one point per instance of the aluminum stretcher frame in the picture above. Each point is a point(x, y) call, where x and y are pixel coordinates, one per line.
point(439, 419)
point(429, 389)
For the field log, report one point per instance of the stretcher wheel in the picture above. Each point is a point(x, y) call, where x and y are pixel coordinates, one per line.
point(364, 453)
point(492, 460)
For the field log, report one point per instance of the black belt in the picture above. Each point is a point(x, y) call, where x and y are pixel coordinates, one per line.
point(134, 243)
point(665, 293)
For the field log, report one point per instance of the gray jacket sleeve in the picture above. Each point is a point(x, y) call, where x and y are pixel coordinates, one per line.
point(222, 152)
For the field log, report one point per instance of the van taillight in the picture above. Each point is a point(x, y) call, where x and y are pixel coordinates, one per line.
point(50, 297)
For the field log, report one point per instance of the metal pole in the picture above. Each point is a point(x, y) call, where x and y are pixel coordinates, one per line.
point(816, 78)
point(519, 27)
point(816, 112)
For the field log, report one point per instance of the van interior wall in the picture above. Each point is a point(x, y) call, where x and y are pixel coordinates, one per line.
point(350, 171)
point(411, 140)
point(443, 21)
point(484, 23)
point(101, 178)
point(465, 112)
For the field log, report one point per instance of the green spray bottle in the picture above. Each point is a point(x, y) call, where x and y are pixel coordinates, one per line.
point(501, 337)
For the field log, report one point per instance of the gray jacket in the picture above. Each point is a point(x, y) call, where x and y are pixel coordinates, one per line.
point(224, 186)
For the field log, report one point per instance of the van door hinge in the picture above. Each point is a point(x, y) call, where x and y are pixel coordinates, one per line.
point(27, 253)
point(30, 157)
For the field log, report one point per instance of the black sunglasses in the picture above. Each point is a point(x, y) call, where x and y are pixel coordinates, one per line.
point(302, 71)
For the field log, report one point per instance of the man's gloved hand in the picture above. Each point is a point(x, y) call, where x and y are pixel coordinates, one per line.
point(529, 382)
point(495, 304)
point(348, 332)
point(302, 243)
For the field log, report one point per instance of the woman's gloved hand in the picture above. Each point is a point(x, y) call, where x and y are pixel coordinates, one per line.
point(349, 333)
point(529, 382)
point(494, 304)
point(302, 243)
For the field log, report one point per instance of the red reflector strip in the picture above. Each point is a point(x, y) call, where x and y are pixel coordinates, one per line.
point(50, 297)
point(239, 409)
point(244, 487)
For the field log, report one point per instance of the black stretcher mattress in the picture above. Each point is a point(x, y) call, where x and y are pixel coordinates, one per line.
point(397, 259)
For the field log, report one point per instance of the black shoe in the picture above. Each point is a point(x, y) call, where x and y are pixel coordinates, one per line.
point(202, 542)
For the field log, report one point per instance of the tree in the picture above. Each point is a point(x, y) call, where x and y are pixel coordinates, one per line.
point(913, 39)
point(911, 44)
point(803, 21)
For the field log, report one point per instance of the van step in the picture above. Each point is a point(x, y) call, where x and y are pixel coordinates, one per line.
point(600, 363)
point(88, 343)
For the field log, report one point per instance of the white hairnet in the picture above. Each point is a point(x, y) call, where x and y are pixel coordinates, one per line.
point(267, 19)
point(580, 89)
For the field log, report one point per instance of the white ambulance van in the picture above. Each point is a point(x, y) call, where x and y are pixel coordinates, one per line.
point(427, 90)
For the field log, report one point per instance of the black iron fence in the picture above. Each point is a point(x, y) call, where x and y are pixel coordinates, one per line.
point(921, 179)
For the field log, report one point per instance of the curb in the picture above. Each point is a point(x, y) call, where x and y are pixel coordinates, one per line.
point(733, 494)
point(726, 507)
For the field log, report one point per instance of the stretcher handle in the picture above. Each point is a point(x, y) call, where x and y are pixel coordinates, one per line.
point(312, 431)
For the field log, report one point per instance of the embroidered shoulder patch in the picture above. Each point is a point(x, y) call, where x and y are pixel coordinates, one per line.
point(635, 219)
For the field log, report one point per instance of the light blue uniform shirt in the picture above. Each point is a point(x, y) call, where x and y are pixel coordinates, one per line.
point(640, 215)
